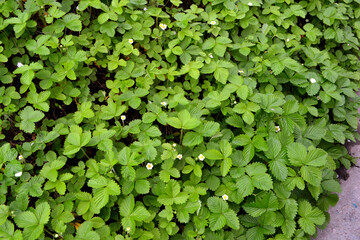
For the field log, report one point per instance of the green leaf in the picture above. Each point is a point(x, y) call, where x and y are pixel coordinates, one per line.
point(310, 216)
point(127, 205)
point(188, 122)
point(177, 50)
point(174, 122)
point(7, 154)
point(294, 65)
point(113, 188)
point(84, 111)
point(316, 157)
point(208, 44)
point(208, 129)
point(42, 213)
point(263, 203)
point(315, 132)
point(33, 232)
point(28, 119)
point(97, 182)
point(101, 198)
point(172, 194)
point(103, 18)
point(217, 205)
point(245, 186)
point(26, 219)
point(248, 117)
point(221, 75)
point(220, 50)
point(213, 182)
point(72, 22)
point(85, 231)
point(279, 169)
point(225, 166)
point(142, 186)
point(296, 153)
point(232, 219)
point(192, 139)
point(4, 213)
point(291, 107)
point(225, 148)
point(260, 143)
point(140, 214)
point(262, 181)
point(76, 140)
point(311, 175)
point(213, 154)
point(291, 208)
point(242, 140)
point(288, 227)
point(217, 221)
point(331, 185)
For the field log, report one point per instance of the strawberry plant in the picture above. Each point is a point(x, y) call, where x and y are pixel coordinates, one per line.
point(204, 119)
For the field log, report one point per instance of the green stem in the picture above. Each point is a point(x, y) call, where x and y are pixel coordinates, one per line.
point(181, 135)
point(116, 176)
point(21, 5)
point(50, 233)
point(85, 153)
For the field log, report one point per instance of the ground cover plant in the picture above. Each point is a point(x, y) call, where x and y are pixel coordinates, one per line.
point(211, 119)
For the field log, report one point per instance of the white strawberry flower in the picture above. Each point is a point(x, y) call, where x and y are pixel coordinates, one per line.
point(18, 174)
point(288, 40)
point(131, 41)
point(212, 22)
point(163, 103)
point(211, 56)
point(312, 80)
point(19, 64)
point(225, 197)
point(250, 3)
point(277, 128)
point(123, 117)
point(149, 166)
point(56, 235)
point(235, 102)
point(163, 26)
point(145, 8)
point(21, 157)
point(318, 98)
point(128, 229)
point(241, 71)
point(201, 157)
point(179, 156)
point(174, 145)
point(77, 8)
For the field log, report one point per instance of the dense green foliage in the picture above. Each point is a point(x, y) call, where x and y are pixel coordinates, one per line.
point(135, 119)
